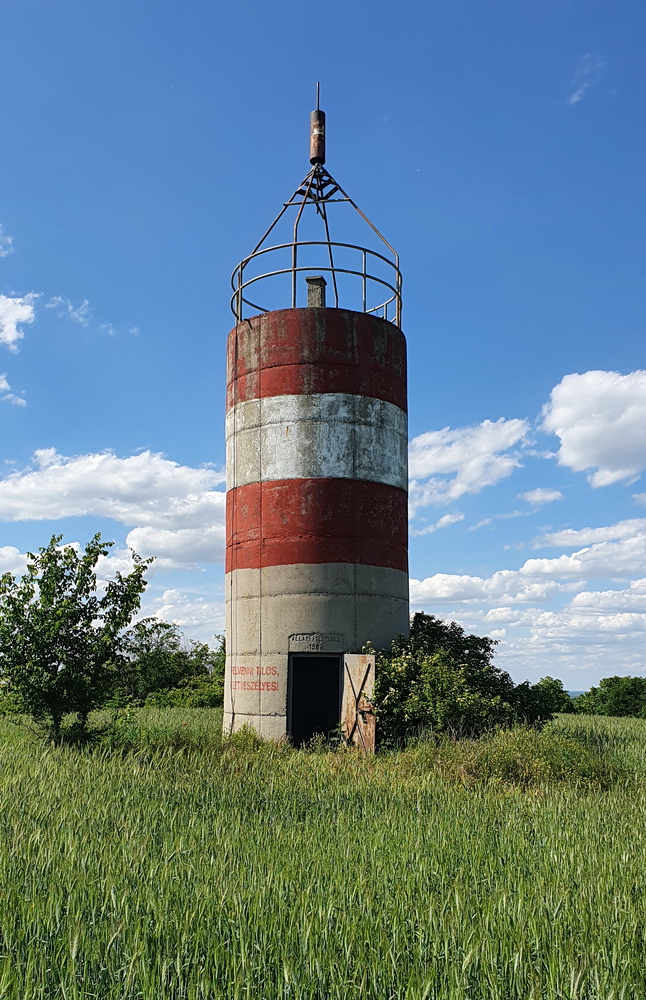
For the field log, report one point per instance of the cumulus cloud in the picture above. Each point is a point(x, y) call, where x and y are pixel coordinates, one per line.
point(599, 418)
point(79, 314)
point(571, 537)
point(444, 465)
point(541, 496)
point(6, 243)
point(614, 552)
point(197, 615)
point(174, 510)
point(11, 397)
point(590, 631)
point(15, 312)
point(146, 487)
point(632, 599)
point(185, 547)
point(12, 560)
point(511, 585)
point(612, 560)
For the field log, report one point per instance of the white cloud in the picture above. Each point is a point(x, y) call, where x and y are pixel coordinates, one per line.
point(79, 314)
point(571, 537)
point(147, 487)
point(507, 516)
point(15, 400)
point(198, 616)
point(510, 585)
point(446, 464)
point(614, 552)
point(541, 496)
point(443, 522)
point(600, 418)
point(6, 243)
point(590, 71)
point(632, 599)
point(180, 547)
point(14, 313)
point(592, 631)
point(610, 560)
point(174, 510)
point(12, 560)
point(6, 396)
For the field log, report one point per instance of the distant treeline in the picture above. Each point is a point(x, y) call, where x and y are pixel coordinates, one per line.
point(622, 696)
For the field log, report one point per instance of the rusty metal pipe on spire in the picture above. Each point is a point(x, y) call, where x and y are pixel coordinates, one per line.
point(317, 133)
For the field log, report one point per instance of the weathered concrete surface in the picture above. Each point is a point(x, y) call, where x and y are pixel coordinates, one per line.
point(316, 501)
point(317, 521)
point(345, 579)
point(292, 351)
point(266, 607)
point(326, 435)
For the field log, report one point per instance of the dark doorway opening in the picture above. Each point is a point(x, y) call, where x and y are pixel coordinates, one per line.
point(315, 696)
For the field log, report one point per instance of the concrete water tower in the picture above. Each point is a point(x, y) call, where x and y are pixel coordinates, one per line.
point(317, 526)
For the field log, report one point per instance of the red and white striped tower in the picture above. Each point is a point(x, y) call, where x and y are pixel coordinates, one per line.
point(316, 557)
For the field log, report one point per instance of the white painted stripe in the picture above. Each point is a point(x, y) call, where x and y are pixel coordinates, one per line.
point(319, 436)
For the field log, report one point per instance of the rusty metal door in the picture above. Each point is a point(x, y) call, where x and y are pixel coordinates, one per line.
point(357, 714)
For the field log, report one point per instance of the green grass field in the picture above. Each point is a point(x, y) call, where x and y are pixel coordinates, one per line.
point(174, 866)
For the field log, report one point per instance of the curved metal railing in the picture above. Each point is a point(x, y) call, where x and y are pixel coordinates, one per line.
point(389, 308)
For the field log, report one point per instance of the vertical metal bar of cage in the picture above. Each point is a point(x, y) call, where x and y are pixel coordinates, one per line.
point(364, 280)
point(297, 220)
point(294, 259)
point(330, 255)
point(239, 296)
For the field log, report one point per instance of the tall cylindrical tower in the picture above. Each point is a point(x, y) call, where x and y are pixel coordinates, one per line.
point(316, 431)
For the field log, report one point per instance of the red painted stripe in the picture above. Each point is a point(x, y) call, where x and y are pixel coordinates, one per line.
point(317, 521)
point(300, 351)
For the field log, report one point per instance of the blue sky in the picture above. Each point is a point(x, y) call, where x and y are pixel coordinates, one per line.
point(500, 147)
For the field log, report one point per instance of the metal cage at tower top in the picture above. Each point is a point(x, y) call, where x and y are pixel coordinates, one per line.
point(361, 278)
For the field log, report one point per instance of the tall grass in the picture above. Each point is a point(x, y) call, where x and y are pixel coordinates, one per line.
point(209, 869)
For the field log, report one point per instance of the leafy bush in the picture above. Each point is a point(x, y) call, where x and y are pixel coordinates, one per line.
point(419, 693)
point(204, 691)
point(441, 680)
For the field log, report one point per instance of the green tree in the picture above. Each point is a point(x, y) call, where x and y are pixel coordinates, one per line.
point(153, 660)
point(539, 702)
point(161, 668)
point(623, 696)
point(554, 696)
point(60, 637)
